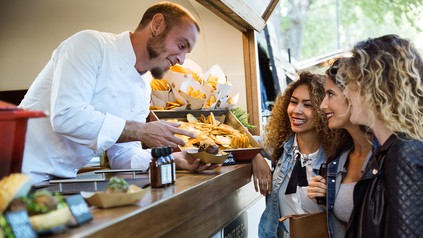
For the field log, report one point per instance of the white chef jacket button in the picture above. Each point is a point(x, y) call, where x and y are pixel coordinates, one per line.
point(334, 162)
point(114, 95)
point(333, 180)
point(132, 109)
point(75, 170)
point(46, 176)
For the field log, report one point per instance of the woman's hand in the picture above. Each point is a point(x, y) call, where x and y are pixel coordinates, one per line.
point(183, 160)
point(316, 188)
point(262, 176)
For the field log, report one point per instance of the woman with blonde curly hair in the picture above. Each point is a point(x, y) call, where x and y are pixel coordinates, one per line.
point(298, 136)
point(383, 81)
point(353, 148)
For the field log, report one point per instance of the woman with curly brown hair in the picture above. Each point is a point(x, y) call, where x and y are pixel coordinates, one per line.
point(384, 82)
point(298, 136)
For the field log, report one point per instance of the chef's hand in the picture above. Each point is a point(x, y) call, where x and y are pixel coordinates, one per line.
point(155, 134)
point(262, 176)
point(316, 188)
point(185, 161)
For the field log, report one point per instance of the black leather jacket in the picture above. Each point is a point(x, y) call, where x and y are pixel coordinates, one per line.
point(388, 200)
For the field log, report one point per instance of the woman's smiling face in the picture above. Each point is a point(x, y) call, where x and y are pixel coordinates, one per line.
point(335, 106)
point(300, 110)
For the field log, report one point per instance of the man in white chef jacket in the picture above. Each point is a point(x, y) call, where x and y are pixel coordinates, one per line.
point(97, 98)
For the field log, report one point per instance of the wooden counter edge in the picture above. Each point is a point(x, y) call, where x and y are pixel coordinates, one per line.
point(169, 214)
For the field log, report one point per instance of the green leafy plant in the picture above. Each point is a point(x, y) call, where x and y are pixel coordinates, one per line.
point(242, 117)
point(5, 230)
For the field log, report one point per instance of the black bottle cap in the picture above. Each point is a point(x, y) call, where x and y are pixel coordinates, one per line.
point(156, 152)
point(168, 150)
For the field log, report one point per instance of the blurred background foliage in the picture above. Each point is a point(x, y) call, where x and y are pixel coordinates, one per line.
point(315, 27)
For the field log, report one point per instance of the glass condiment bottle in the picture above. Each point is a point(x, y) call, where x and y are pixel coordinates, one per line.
point(156, 165)
point(172, 163)
point(166, 167)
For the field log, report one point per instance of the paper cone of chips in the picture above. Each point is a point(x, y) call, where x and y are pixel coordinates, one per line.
point(210, 102)
point(172, 101)
point(193, 93)
point(159, 85)
point(185, 87)
point(157, 103)
point(228, 102)
point(178, 103)
point(175, 79)
point(178, 74)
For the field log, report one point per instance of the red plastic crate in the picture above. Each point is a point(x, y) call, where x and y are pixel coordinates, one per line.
point(13, 122)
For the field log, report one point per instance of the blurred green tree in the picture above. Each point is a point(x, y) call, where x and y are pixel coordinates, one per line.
point(311, 28)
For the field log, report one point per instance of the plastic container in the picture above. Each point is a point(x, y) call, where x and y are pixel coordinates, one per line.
point(13, 122)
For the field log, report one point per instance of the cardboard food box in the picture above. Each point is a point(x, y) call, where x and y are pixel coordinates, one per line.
point(108, 200)
point(223, 116)
point(208, 158)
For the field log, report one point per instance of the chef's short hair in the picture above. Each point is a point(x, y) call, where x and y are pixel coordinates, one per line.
point(172, 13)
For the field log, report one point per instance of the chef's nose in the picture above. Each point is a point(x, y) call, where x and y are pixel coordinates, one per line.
point(181, 58)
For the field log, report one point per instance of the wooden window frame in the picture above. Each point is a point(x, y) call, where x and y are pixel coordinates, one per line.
point(238, 14)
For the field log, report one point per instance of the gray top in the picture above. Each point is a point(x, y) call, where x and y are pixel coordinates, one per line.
point(343, 202)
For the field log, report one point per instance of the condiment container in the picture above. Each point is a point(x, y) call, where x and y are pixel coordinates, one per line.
point(156, 169)
point(172, 163)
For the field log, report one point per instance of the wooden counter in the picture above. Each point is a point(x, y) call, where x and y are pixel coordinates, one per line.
point(198, 205)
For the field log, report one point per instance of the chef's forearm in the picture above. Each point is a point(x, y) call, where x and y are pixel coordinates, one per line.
point(131, 131)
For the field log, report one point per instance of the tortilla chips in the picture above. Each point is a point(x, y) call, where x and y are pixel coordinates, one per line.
point(208, 128)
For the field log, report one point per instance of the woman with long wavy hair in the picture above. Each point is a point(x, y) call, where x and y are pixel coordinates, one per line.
point(384, 83)
point(353, 147)
point(298, 136)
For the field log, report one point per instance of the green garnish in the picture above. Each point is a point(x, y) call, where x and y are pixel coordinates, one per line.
point(40, 208)
point(242, 117)
point(5, 228)
point(117, 185)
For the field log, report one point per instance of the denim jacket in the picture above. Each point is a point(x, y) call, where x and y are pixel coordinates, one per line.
point(269, 221)
point(335, 174)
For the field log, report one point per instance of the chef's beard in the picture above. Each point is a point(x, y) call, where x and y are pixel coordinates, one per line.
point(155, 47)
point(157, 72)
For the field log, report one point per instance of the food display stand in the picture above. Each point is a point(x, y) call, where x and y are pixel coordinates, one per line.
point(198, 205)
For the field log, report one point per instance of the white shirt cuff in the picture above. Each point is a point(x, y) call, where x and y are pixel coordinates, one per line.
point(141, 160)
point(110, 131)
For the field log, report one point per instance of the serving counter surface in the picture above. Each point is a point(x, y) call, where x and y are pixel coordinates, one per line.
point(198, 205)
